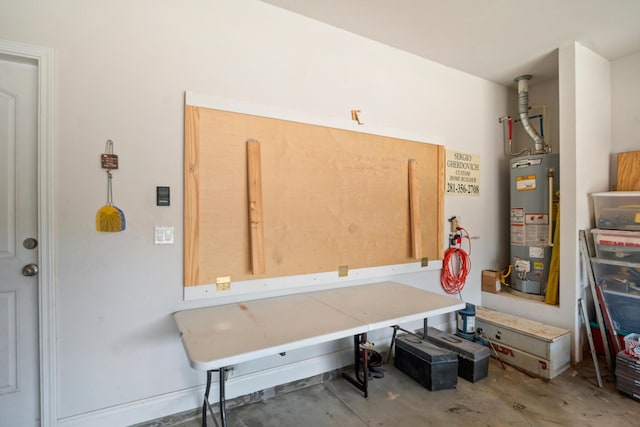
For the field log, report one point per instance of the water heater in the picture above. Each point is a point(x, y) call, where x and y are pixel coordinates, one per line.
point(533, 194)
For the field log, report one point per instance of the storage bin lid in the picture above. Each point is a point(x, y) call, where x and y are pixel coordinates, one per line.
point(613, 232)
point(616, 194)
point(468, 349)
point(600, 261)
point(425, 350)
point(520, 324)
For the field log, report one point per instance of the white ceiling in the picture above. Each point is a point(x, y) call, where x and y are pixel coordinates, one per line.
point(494, 39)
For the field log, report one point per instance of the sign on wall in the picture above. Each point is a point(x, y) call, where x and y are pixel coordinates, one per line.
point(462, 174)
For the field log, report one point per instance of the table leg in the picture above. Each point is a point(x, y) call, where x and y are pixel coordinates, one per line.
point(393, 341)
point(223, 418)
point(205, 402)
point(424, 330)
point(361, 384)
point(395, 332)
point(206, 405)
point(365, 364)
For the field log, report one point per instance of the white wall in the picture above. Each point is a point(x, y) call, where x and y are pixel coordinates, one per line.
point(584, 144)
point(592, 148)
point(121, 71)
point(625, 116)
point(593, 130)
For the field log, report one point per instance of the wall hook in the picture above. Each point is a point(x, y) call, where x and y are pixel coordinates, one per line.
point(355, 115)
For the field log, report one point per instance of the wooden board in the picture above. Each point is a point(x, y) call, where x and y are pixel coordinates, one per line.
point(329, 197)
point(628, 171)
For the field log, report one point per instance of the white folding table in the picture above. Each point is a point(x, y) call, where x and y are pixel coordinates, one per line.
point(215, 338)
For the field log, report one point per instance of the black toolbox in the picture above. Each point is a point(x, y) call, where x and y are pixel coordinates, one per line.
point(473, 358)
point(434, 367)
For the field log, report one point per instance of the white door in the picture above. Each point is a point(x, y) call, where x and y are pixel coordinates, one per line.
point(19, 350)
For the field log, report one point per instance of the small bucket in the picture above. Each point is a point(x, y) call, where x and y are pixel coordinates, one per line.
point(466, 324)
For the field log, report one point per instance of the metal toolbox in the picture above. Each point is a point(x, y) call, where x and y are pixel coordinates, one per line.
point(433, 367)
point(473, 358)
point(537, 348)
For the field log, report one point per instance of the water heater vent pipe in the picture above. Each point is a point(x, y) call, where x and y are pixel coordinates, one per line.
point(523, 112)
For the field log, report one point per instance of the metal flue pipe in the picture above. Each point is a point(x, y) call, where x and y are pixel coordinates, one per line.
point(523, 112)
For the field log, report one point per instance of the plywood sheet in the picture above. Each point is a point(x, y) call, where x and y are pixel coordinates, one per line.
point(330, 197)
point(628, 171)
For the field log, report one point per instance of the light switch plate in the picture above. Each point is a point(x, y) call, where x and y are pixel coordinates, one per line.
point(163, 235)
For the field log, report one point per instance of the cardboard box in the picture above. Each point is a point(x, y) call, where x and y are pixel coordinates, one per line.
point(491, 281)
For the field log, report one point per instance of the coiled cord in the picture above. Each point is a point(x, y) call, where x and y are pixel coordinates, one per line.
point(456, 267)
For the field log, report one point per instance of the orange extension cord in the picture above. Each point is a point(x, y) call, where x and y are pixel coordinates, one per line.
point(455, 267)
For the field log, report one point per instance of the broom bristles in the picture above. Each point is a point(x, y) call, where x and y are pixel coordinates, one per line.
point(110, 219)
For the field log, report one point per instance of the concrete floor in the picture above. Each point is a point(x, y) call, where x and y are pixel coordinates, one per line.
point(505, 398)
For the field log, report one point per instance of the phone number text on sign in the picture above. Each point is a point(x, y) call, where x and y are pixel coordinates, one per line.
point(469, 189)
point(462, 174)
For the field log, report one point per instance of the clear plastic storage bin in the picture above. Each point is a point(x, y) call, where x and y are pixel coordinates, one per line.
point(617, 245)
point(620, 285)
point(617, 210)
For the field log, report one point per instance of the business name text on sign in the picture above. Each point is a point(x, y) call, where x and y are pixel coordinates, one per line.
point(462, 174)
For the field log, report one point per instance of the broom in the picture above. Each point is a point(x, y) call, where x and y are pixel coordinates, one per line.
point(109, 218)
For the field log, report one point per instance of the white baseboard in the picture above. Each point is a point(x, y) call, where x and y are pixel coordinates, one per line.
point(185, 400)
point(138, 411)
